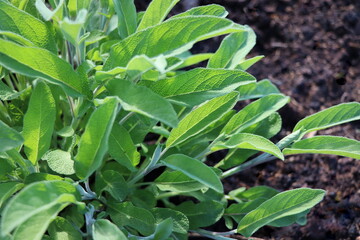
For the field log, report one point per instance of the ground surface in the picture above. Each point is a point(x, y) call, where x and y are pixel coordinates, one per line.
point(312, 51)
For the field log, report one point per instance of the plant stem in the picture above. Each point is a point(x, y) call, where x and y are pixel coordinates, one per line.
point(126, 118)
point(167, 194)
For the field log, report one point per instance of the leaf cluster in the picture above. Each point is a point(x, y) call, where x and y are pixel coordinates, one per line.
point(106, 124)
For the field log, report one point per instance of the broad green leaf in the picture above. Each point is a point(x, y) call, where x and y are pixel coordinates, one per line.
point(177, 181)
point(246, 64)
point(113, 183)
point(9, 138)
point(332, 116)
point(62, 229)
point(142, 100)
point(94, 141)
point(257, 90)
point(181, 35)
point(180, 221)
point(211, 10)
point(202, 214)
point(39, 122)
point(127, 18)
point(7, 189)
point(14, 20)
point(36, 198)
point(250, 141)
point(194, 169)
point(200, 118)
point(204, 84)
point(60, 161)
point(156, 13)
point(35, 227)
point(233, 49)
point(326, 145)
point(125, 214)
point(104, 229)
point(122, 147)
point(255, 112)
point(37, 62)
point(282, 205)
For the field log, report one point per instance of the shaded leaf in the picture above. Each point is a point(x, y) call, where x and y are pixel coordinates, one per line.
point(62, 229)
point(180, 221)
point(9, 138)
point(127, 18)
point(94, 141)
point(39, 122)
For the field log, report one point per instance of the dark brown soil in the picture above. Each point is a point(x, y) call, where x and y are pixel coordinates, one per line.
point(312, 51)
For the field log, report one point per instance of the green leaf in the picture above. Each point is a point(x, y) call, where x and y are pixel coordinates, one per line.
point(326, 145)
point(35, 227)
point(210, 10)
point(177, 181)
point(250, 141)
point(113, 183)
point(163, 230)
point(255, 112)
point(7, 93)
point(143, 198)
point(205, 85)
point(127, 18)
point(237, 211)
point(35, 199)
point(122, 147)
point(38, 62)
point(194, 169)
point(202, 214)
point(156, 13)
point(257, 192)
point(257, 90)
point(289, 220)
point(37, 177)
point(60, 162)
point(14, 20)
point(181, 35)
point(193, 59)
point(104, 229)
point(180, 221)
point(233, 49)
point(7, 189)
point(46, 13)
point(94, 141)
point(246, 64)
point(332, 116)
point(142, 100)
point(200, 118)
point(283, 204)
point(39, 122)
point(62, 229)
point(71, 29)
point(125, 214)
point(9, 138)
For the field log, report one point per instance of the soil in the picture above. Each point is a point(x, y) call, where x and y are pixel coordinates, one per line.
point(312, 51)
